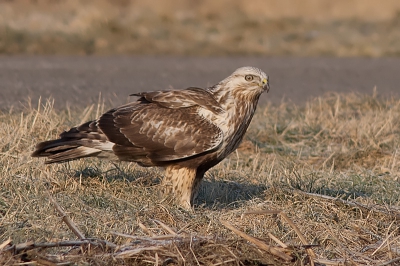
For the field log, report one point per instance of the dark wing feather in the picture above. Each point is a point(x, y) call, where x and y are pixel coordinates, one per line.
point(152, 133)
point(111, 129)
point(78, 142)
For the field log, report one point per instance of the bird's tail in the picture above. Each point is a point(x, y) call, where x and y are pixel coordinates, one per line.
point(79, 142)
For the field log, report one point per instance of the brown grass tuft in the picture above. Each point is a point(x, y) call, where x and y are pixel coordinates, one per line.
point(319, 178)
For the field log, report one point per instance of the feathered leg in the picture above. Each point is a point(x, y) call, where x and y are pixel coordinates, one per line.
point(184, 183)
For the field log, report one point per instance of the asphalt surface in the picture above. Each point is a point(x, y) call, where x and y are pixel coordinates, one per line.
point(78, 81)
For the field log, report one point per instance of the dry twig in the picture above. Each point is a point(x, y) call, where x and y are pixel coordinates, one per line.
point(69, 243)
point(165, 227)
point(145, 229)
point(260, 244)
point(5, 243)
point(295, 228)
point(71, 225)
point(278, 241)
point(300, 235)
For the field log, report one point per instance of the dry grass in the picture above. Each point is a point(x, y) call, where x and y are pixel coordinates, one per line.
point(325, 174)
point(178, 27)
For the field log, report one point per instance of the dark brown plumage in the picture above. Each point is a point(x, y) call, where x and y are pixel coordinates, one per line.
point(186, 131)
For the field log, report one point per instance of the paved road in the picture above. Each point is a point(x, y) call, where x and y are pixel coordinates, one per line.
point(79, 80)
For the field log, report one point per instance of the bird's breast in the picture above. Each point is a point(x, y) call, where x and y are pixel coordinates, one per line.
point(222, 120)
point(233, 123)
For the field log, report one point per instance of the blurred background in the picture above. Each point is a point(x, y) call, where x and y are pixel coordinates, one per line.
point(343, 28)
point(308, 47)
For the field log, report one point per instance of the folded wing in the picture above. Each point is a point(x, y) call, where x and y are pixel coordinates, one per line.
point(162, 127)
point(158, 128)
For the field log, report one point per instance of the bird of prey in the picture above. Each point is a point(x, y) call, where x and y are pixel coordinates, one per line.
point(186, 131)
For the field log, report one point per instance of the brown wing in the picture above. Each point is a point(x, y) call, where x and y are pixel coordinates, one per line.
point(153, 132)
point(175, 99)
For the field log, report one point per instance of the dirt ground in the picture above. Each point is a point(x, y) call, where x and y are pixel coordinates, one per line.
point(79, 80)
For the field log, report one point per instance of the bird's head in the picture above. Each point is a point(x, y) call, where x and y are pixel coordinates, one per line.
point(251, 78)
point(247, 82)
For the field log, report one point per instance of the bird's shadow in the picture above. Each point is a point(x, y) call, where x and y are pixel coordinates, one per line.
point(222, 194)
point(145, 177)
point(213, 193)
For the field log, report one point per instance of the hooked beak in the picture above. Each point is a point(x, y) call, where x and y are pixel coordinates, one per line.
point(265, 84)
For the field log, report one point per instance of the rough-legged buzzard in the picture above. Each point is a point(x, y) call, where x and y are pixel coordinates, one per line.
point(186, 131)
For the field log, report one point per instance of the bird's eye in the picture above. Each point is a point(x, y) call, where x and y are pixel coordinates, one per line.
point(248, 77)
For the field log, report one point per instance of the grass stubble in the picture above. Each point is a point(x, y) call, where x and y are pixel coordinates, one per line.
point(318, 183)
